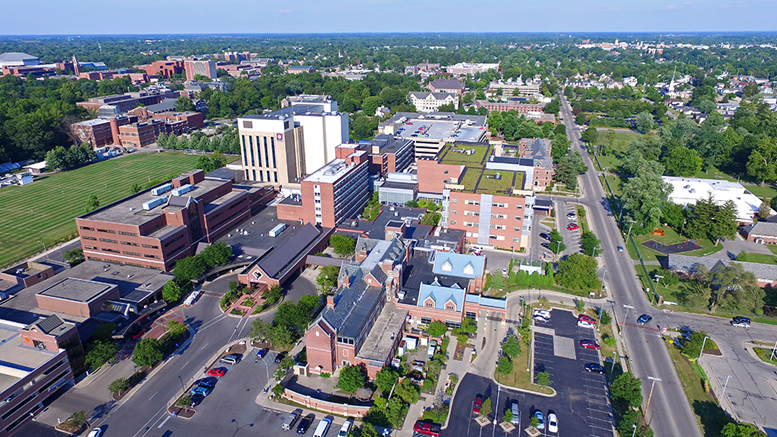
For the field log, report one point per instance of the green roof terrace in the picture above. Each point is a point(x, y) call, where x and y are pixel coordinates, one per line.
point(465, 154)
point(495, 182)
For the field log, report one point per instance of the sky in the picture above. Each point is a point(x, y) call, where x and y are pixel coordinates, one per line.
point(80, 17)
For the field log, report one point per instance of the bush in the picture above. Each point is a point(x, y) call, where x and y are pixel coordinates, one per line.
point(605, 317)
point(608, 340)
point(74, 256)
point(184, 401)
point(437, 414)
point(76, 420)
point(504, 366)
point(508, 417)
point(277, 390)
point(511, 347)
point(436, 329)
point(342, 245)
point(118, 385)
point(171, 291)
point(543, 379)
point(486, 409)
point(98, 353)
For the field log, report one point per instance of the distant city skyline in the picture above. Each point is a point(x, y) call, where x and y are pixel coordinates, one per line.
point(83, 17)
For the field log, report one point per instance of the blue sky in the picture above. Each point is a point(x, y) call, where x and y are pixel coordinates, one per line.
point(337, 16)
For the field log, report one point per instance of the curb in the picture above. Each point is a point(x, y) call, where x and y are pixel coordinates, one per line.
point(277, 304)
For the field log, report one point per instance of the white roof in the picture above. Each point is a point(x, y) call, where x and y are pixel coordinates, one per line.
point(687, 191)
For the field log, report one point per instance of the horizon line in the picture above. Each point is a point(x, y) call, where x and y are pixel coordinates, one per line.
point(558, 33)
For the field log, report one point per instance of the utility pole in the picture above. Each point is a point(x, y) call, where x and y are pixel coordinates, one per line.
point(702, 347)
point(625, 316)
point(45, 250)
point(612, 368)
point(654, 379)
point(629, 234)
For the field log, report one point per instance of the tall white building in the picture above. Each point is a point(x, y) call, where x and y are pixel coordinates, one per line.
point(286, 145)
point(431, 102)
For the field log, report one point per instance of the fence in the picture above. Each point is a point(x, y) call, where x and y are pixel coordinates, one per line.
point(326, 406)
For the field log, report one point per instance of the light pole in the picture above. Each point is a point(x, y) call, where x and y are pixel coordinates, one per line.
point(775, 347)
point(702, 347)
point(604, 275)
point(496, 412)
point(629, 233)
point(724, 387)
point(44, 249)
point(635, 430)
point(558, 247)
point(654, 379)
point(183, 387)
point(612, 368)
point(626, 316)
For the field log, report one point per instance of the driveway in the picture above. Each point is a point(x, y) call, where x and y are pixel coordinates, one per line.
point(732, 248)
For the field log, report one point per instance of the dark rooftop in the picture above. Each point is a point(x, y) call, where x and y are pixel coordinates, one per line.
point(399, 185)
point(80, 290)
point(287, 249)
point(419, 271)
point(377, 229)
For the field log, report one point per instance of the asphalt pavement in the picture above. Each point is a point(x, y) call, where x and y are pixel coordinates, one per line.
point(669, 413)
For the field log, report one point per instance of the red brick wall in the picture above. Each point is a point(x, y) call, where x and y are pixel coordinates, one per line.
point(328, 407)
point(510, 222)
point(80, 309)
point(321, 349)
point(432, 175)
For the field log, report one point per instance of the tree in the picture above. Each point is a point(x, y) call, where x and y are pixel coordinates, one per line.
point(486, 409)
point(135, 188)
point(56, 158)
point(543, 379)
point(437, 329)
point(605, 318)
point(351, 379)
point(189, 268)
point(644, 122)
point(692, 347)
point(431, 218)
point(407, 391)
point(99, 352)
point(74, 256)
point(342, 245)
point(762, 163)
point(511, 347)
point(682, 161)
point(508, 416)
point(175, 329)
point(92, 203)
point(171, 291)
point(645, 195)
point(590, 243)
point(118, 386)
point(736, 289)
point(568, 168)
point(327, 277)
point(578, 272)
point(504, 366)
point(385, 380)
point(627, 389)
point(764, 210)
point(740, 429)
point(556, 243)
point(184, 104)
point(77, 419)
point(708, 219)
point(277, 390)
point(216, 254)
point(590, 135)
point(674, 215)
point(147, 352)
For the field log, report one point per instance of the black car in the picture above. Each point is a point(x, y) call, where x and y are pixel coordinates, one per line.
point(545, 236)
point(742, 319)
point(742, 322)
point(594, 367)
point(644, 319)
point(196, 399)
point(207, 382)
point(304, 424)
point(261, 353)
point(280, 357)
point(545, 245)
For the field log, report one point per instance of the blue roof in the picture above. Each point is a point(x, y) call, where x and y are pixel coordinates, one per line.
point(441, 295)
point(457, 264)
point(487, 301)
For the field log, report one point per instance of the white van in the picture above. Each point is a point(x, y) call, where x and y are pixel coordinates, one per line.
point(290, 420)
point(322, 427)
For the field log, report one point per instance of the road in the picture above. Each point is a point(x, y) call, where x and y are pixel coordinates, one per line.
point(143, 414)
point(669, 413)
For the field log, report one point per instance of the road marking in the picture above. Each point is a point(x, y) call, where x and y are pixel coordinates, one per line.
point(203, 346)
point(187, 363)
point(153, 395)
point(164, 421)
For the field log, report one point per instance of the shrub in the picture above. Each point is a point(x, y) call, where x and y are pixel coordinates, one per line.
point(118, 385)
point(504, 366)
point(277, 390)
point(608, 340)
point(184, 401)
point(436, 329)
point(147, 352)
point(543, 379)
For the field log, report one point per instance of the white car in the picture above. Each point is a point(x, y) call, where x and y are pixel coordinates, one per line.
point(97, 432)
point(345, 428)
point(542, 313)
point(552, 423)
point(584, 324)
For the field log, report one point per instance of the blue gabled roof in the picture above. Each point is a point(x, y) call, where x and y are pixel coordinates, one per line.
point(458, 264)
point(441, 296)
point(487, 301)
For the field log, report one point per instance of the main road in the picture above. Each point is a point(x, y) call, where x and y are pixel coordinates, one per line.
point(669, 413)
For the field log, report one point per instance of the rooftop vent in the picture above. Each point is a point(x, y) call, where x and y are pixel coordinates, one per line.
point(162, 189)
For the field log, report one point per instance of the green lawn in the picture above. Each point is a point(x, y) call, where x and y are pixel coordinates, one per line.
point(773, 248)
point(765, 354)
point(767, 191)
point(473, 160)
point(670, 237)
point(622, 139)
point(488, 185)
point(46, 209)
point(709, 415)
point(758, 258)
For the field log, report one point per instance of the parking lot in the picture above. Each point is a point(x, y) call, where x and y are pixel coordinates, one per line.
point(581, 402)
point(571, 237)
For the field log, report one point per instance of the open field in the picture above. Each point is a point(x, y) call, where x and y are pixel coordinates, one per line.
point(758, 258)
point(45, 210)
point(706, 246)
point(767, 191)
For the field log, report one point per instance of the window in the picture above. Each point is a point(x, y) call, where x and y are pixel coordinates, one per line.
point(152, 256)
point(517, 240)
point(107, 231)
point(498, 227)
point(89, 238)
point(499, 205)
point(518, 206)
point(471, 202)
point(127, 243)
point(516, 228)
point(518, 218)
point(453, 222)
point(150, 246)
point(251, 148)
point(131, 234)
point(105, 240)
point(131, 253)
point(429, 304)
point(86, 228)
point(498, 216)
point(471, 224)
point(453, 211)
point(454, 200)
point(447, 266)
point(90, 247)
point(426, 320)
point(110, 250)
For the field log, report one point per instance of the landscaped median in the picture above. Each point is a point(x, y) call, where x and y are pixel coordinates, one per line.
point(514, 369)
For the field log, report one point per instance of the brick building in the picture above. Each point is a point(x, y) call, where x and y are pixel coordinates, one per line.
point(511, 105)
point(164, 69)
point(33, 370)
point(141, 133)
point(202, 68)
point(761, 232)
point(431, 102)
point(454, 86)
point(157, 226)
point(335, 192)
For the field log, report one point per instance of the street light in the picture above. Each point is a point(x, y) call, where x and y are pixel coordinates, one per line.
point(635, 430)
point(775, 347)
point(612, 368)
point(654, 379)
point(724, 387)
point(44, 249)
point(702, 347)
point(626, 316)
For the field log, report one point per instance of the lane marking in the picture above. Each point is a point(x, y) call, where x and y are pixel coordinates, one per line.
point(164, 421)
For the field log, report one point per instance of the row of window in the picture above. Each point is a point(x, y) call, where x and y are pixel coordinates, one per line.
point(493, 205)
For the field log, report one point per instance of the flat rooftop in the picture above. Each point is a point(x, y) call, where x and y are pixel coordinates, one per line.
point(383, 334)
point(377, 229)
point(75, 289)
point(129, 211)
point(93, 122)
point(257, 241)
point(495, 182)
point(17, 360)
point(474, 155)
point(288, 111)
point(331, 172)
point(23, 306)
point(420, 271)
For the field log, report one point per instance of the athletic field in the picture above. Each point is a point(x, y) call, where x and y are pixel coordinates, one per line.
point(45, 209)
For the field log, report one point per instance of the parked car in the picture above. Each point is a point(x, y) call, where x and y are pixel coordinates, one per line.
point(478, 404)
point(231, 359)
point(322, 427)
point(280, 357)
point(202, 390)
point(516, 413)
point(552, 422)
point(584, 324)
point(620, 248)
point(97, 432)
point(594, 368)
point(589, 344)
point(345, 428)
point(644, 319)
point(426, 428)
point(542, 313)
point(571, 215)
point(218, 372)
point(540, 419)
point(742, 322)
point(545, 235)
point(588, 319)
point(304, 424)
point(572, 226)
point(261, 353)
point(541, 319)
point(290, 419)
point(197, 399)
point(545, 245)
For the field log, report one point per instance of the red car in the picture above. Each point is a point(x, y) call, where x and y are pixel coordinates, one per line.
point(588, 344)
point(478, 404)
point(139, 334)
point(217, 372)
point(588, 319)
point(426, 428)
point(572, 226)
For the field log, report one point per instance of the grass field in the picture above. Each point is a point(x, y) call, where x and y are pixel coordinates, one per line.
point(758, 258)
point(706, 247)
point(767, 191)
point(45, 210)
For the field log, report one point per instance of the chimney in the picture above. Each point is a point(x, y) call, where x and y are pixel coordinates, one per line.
point(330, 302)
point(115, 131)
